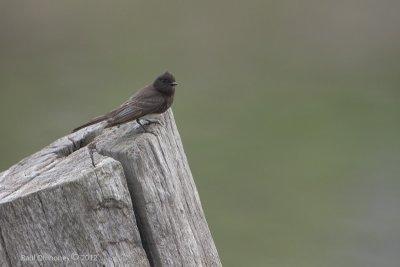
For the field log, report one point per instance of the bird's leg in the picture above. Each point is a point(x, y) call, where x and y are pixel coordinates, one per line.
point(141, 125)
point(144, 129)
point(151, 121)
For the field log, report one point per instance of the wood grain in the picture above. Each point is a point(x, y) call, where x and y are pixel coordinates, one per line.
point(108, 197)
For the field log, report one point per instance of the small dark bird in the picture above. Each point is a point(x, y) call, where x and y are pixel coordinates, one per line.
point(155, 98)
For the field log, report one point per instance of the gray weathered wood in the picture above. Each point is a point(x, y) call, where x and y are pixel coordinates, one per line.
point(105, 197)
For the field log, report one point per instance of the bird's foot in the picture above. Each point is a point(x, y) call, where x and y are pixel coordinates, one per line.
point(148, 122)
point(153, 121)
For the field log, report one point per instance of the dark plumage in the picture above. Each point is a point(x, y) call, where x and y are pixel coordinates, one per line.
point(155, 98)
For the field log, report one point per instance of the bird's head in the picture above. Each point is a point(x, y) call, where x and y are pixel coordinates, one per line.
point(165, 82)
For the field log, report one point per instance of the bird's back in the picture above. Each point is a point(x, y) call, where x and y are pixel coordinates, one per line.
point(146, 101)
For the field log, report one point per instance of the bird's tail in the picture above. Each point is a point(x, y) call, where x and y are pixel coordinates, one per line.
point(91, 122)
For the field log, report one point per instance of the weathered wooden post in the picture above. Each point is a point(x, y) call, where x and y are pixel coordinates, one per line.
point(114, 197)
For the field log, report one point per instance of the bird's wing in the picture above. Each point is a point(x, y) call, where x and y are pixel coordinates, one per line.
point(142, 103)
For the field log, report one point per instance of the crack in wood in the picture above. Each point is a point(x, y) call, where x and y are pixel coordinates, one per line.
point(165, 226)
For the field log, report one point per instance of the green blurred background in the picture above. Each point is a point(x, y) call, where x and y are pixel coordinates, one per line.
point(289, 111)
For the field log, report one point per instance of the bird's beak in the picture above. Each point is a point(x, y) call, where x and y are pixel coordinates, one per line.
point(174, 84)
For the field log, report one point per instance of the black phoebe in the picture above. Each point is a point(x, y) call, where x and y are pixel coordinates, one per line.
point(155, 98)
